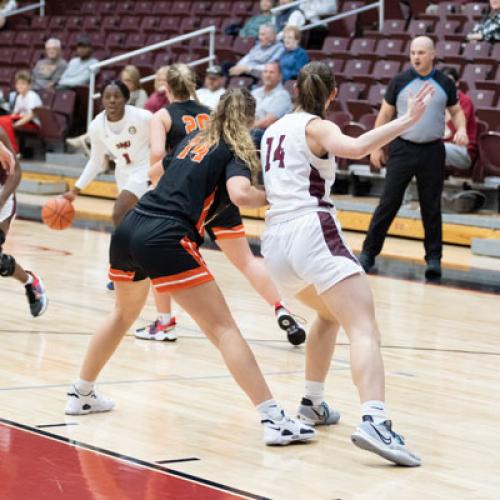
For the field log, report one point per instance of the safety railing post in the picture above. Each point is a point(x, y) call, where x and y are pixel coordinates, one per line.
point(90, 110)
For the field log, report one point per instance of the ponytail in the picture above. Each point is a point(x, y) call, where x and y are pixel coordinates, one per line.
point(315, 84)
point(182, 82)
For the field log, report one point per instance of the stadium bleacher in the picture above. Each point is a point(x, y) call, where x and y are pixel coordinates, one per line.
point(363, 58)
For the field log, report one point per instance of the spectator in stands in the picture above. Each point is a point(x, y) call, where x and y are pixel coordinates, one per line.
point(48, 71)
point(25, 102)
point(252, 26)
point(77, 73)
point(488, 29)
point(267, 50)
point(293, 16)
point(273, 101)
point(459, 156)
point(6, 7)
point(314, 9)
point(418, 152)
point(158, 99)
point(131, 77)
point(213, 88)
point(294, 56)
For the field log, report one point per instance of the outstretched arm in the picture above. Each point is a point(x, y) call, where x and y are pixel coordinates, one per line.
point(243, 194)
point(332, 140)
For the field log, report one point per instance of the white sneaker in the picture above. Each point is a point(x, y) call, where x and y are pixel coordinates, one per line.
point(157, 331)
point(286, 431)
point(79, 404)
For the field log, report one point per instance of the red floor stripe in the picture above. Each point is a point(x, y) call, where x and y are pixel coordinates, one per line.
point(34, 465)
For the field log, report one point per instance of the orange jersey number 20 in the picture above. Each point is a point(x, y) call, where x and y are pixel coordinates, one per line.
point(193, 123)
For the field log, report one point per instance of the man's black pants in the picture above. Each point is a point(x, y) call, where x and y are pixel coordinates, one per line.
point(408, 159)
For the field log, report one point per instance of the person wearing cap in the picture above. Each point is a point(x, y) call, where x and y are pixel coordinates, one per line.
point(213, 88)
point(77, 73)
point(48, 71)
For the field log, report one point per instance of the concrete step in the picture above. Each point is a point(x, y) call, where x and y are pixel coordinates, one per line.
point(41, 187)
point(67, 160)
point(486, 247)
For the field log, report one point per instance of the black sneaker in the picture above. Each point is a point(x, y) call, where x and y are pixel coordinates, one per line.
point(366, 261)
point(295, 333)
point(37, 298)
point(433, 270)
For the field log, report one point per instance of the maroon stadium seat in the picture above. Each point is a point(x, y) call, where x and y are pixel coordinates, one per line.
point(211, 21)
point(92, 23)
point(39, 23)
point(23, 38)
point(115, 41)
point(180, 8)
point(445, 49)
point(129, 24)
point(476, 50)
point(447, 27)
point(242, 45)
point(358, 108)
point(363, 47)
point(334, 45)
point(189, 24)
point(368, 120)
point(335, 65)
point(111, 23)
point(143, 60)
point(6, 56)
point(106, 8)
point(74, 23)
point(135, 41)
point(482, 98)
point(200, 8)
point(221, 8)
point(64, 103)
point(350, 90)
point(475, 10)
point(357, 67)
point(144, 8)
point(394, 26)
point(473, 72)
point(385, 70)
point(162, 58)
point(489, 152)
point(386, 47)
point(150, 24)
point(420, 27)
point(242, 8)
point(88, 7)
point(47, 96)
point(125, 8)
point(341, 118)
point(376, 94)
point(169, 25)
point(22, 58)
point(491, 116)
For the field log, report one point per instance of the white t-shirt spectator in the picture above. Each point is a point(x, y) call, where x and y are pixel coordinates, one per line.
point(25, 104)
point(277, 102)
point(209, 98)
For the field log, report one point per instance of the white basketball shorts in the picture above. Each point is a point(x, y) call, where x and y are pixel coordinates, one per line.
point(135, 180)
point(8, 209)
point(308, 250)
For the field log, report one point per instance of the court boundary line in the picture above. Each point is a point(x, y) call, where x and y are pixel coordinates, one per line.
point(132, 460)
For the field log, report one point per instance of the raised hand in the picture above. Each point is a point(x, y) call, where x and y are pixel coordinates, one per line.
point(417, 104)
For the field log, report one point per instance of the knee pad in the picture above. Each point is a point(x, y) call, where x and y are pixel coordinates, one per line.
point(7, 265)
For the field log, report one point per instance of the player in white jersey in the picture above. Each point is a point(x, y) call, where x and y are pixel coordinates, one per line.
point(121, 132)
point(304, 249)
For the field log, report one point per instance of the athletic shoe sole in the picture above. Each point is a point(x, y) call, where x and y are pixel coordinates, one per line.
point(295, 333)
point(84, 412)
point(365, 442)
point(161, 336)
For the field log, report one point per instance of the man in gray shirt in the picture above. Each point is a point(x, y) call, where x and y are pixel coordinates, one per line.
point(48, 71)
point(273, 101)
point(418, 152)
point(77, 72)
point(266, 50)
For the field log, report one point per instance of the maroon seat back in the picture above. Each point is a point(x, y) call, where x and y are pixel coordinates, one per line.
point(489, 151)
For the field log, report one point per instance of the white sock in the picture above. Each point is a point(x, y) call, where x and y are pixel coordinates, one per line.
point(376, 410)
point(270, 409)
point(84, 387)
point(315, 392)
point(30, 279)
point(164, 318)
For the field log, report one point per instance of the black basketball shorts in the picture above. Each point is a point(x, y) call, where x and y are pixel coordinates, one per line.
point(159, 248)
point(226, 224)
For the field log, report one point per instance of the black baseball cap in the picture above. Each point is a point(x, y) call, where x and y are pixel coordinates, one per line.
point(84, 41)
point(214, 70)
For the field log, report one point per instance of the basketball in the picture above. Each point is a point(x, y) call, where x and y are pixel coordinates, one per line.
point(58, 213)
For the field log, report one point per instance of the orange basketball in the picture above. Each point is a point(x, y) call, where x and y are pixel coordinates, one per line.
point(58, 213)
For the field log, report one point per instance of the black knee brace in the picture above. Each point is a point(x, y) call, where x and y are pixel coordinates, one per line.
point(2, 239)
point(7, 265)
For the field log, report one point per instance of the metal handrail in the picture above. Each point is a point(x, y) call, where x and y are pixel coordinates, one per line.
point(27, 8)
point(210, 30)
point(376, 5)
point(286, 6)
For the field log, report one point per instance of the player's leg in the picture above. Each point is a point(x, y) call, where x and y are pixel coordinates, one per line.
point(35, 290)
point(206, 305)
point(130, 299)
point(350, 301)
point(230, 238)
point(124, 203)
point(320, 347)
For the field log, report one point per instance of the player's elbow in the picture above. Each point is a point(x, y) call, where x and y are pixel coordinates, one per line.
point(239, 197)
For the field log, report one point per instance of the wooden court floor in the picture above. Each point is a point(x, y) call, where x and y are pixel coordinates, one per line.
point(441, 348)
